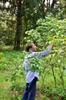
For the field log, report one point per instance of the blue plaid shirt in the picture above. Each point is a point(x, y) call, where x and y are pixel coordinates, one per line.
point(27, 66)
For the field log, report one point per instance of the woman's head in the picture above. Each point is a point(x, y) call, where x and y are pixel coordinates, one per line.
point(31, 47)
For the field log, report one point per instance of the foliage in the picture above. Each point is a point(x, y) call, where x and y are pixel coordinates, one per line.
point(31, 11)
point(51, 31)
point(11, 74)
point(7, 28)
point(52, 67)
point(47, 30)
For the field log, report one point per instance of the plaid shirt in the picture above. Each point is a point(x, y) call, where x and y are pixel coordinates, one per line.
point(27, 66)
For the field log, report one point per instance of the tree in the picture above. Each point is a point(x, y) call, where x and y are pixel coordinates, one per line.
point(18, 25)
point(25, 14)
point(53, 3)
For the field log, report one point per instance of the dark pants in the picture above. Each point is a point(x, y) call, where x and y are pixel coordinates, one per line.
point(30, 90)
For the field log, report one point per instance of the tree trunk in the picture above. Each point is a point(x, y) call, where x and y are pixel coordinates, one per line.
point(42, 8)
point(53, 3)
point(18, 25)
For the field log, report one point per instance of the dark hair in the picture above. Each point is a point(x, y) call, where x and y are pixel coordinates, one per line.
point(28, 46)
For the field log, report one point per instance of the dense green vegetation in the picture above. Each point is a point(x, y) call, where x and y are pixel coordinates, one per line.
point(12, 81)
point(52, 68)
point(42, 22)
point(16, 17)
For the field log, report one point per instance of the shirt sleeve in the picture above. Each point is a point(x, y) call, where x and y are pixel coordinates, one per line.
point(39, 54)
point(25, 63)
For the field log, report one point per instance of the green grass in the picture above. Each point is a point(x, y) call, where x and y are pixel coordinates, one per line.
point(8, 61)
point(4, 85)
point(12, 80)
